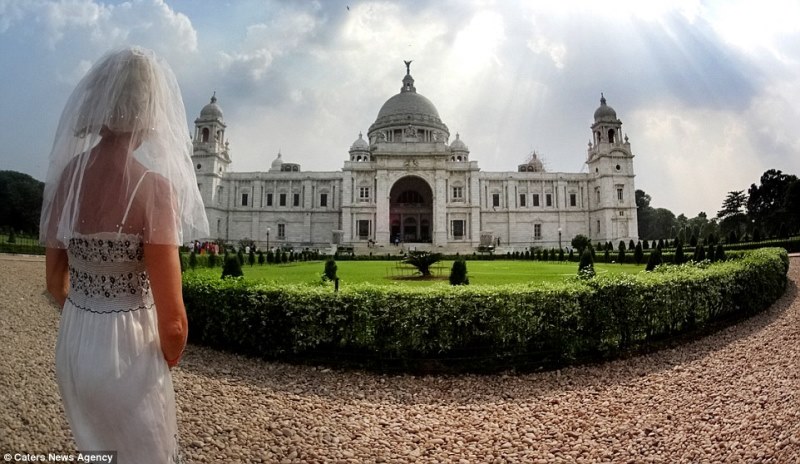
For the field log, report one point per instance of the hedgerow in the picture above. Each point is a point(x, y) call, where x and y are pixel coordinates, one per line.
point(478, 327)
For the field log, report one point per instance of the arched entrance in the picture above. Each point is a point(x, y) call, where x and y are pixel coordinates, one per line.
point(411, 210)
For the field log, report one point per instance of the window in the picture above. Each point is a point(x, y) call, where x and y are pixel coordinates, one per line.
point(535, 199)
point(281, 230)
point(573, 199)
point(282, 199)
point(620, 196)
point(537, 231)
point(363, 193)
point(269, 199)
point(296, 199)
point(323, 200)
point(548, 199)
point(598, 226)
point(522, 200)
point(458, 193)
point(495, 200)
point(457, 227)
point(410, 196)
point(244, 199)
point(597, 193)
point(219, 195)
point(363, 229)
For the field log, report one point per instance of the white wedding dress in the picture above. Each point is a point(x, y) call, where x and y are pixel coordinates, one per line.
point(114, 381)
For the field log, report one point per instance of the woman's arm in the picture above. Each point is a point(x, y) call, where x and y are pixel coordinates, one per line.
point(163, 266)
point(57, 274)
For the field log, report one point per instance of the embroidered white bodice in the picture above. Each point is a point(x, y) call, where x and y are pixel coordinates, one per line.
point(107, 273)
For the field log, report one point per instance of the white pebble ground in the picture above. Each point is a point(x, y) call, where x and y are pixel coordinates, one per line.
point(731, 397)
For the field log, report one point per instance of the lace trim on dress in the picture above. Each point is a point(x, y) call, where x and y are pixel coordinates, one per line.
point(121, 310)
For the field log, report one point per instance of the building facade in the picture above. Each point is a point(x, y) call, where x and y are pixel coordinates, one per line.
point(407, 184)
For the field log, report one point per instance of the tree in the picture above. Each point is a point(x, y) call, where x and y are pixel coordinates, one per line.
point(561, 254)
point(580, 242)
point(607, 256)
point(638, 254)
point(240, 257)
point(766, 201)
point(212, 259)
point(571, 255)
point(458, 273)
point(329, 273)
point(251, 257)
point(261, 258)
point(631, 244)
point(732, 217)
point(791, 203)
point(232, 267)
point(192, 260)
point(621, 254)
point(422, 260)
point(586, 266)
point(20, 202)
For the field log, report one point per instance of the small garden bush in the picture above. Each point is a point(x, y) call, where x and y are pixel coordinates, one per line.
point(479, 328)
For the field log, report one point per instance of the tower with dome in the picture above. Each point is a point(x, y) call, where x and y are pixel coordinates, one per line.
point(409, 183)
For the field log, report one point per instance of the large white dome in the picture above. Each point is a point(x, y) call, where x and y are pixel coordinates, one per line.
point(408, 108)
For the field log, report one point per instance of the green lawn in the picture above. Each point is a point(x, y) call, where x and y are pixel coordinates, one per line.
point(384, 272)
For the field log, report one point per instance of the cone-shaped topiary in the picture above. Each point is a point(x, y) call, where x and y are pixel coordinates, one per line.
point(638, 254)
point(261, 258)
point(654, 260)
point(678, 258)
point(586, 266)
point(192, 260)
point(330, 270)
point(458, 273)
point(232, 267)
point(212, 259)
point(719, 254)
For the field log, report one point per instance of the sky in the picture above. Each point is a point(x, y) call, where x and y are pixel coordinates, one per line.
point(708, 92)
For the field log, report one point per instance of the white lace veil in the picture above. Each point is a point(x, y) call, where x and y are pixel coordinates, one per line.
point(121, 157)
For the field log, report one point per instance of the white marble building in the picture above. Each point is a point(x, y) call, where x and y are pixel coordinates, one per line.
point(406, 183)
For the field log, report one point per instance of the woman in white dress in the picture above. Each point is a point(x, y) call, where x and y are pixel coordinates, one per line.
point(120, 197)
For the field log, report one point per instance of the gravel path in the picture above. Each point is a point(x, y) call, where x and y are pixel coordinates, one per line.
point(730, 397)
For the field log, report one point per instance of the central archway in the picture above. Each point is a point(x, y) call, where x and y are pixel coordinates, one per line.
point(411, 210)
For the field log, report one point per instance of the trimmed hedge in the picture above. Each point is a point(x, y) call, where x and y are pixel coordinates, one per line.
point(478, 328)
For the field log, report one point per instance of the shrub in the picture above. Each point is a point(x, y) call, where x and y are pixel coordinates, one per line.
point(423, 261)
point(719, 254)
point(571, 254)
point(580, 242)
point(699, 253)
point(458, 273)
point(621, 254)
point(490, 328)
point(12, 237)
point(586, 266)
point(678, 258)
point(561, 254)
point(329, 273)
point(192, 260)
point(232, 267)
point(654, 260)
point(261, 258)
point(251, 257)
point(212, 259)
point(638, 254)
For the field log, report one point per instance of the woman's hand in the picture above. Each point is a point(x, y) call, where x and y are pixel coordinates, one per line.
point(163, 266)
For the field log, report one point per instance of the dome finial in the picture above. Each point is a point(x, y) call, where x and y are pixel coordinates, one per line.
point(214, 97)
point(602, 99)
point(408, 81)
